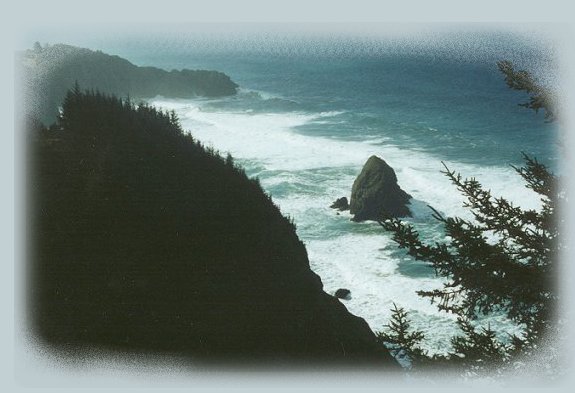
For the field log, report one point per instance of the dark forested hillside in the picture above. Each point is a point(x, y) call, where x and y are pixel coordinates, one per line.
point(49, 71)
point(144, 239)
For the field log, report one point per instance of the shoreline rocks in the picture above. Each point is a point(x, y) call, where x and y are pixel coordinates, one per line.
point(343, 293)
point(340, 204)
point(375, 193)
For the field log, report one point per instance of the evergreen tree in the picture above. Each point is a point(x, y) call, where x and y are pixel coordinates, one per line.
point(504, 261)
point(229, 160)
point(539, 96)
point(403, 342)
point(143, 239)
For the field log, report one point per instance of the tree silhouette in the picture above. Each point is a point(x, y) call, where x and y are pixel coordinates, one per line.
point(142, 238)
point(502, 262)
point(539, 96)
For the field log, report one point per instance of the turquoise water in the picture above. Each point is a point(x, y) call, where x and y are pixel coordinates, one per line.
point(305, 123)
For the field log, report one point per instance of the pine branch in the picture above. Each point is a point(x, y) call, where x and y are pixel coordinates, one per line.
point(539, 97)
point(502, 261)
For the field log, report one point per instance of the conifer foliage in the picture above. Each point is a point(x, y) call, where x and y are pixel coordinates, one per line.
point(539, 96)
point(401, 339)
point(143, 239)
point(503, 261)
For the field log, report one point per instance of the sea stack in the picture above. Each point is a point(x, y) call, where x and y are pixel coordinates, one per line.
point(375, 193)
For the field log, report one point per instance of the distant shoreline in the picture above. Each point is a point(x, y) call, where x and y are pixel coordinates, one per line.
point(48, 72)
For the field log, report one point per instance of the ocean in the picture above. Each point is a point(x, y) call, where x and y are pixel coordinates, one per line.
point(308, 116)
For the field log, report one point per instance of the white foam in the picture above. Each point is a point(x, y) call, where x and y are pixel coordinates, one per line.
point(270, 139)
point(267, 137)
point(359, 257)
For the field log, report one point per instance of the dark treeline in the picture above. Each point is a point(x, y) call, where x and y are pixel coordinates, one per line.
point(143, 238)
point(49, 71)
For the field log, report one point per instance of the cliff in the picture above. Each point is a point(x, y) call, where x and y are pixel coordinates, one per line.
point(144, 239)
point(48, 72)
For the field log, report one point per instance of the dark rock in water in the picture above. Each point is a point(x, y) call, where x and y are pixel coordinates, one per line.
point(376, 194)
point(341, 204)
point(343, 293)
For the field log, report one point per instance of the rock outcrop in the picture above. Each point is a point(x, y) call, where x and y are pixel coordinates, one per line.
point(340, 204)
point(376, 194)
point(343, 293)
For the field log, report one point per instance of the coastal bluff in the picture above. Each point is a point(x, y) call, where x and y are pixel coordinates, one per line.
point(375, 193)
point(144, 240)
point(47, 72)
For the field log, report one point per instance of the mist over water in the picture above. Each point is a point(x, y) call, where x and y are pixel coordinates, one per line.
point(305, 125)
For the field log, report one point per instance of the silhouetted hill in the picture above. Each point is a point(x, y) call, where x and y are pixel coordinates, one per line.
point(48, 72)
point(144, 239)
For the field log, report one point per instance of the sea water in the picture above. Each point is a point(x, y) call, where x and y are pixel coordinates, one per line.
point(304, 123)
